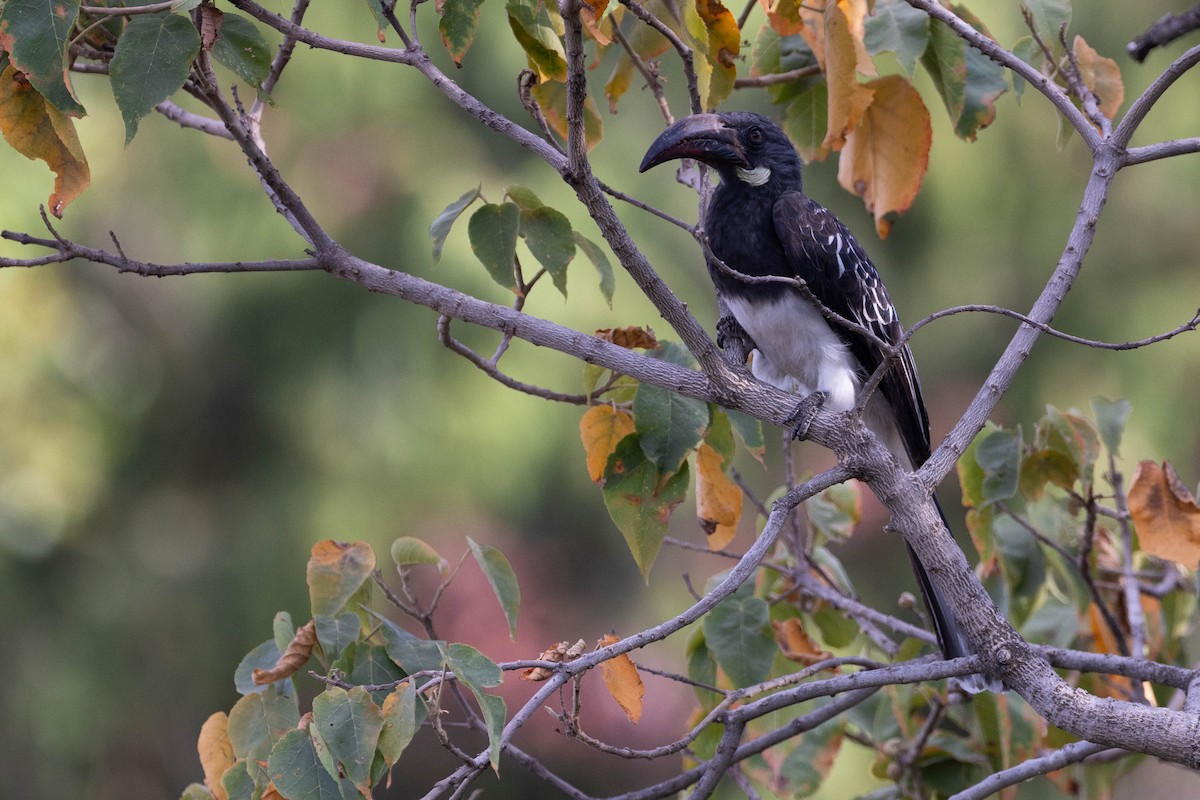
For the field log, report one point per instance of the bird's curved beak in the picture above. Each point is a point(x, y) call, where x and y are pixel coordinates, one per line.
point(704, 137)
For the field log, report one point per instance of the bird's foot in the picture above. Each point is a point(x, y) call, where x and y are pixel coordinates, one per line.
point(734, 341)
point(806, 409)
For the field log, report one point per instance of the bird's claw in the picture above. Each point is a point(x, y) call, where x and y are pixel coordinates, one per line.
point(729, 328)
point(806, 409)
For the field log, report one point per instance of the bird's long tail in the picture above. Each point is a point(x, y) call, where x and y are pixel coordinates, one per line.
point(950, 635)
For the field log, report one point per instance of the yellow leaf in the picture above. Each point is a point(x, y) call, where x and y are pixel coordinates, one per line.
point(216, 752)
point(848, 99)
point(886, 156)
point(1101, 75)
point(1165, 513)
point(552, 98)
point(724, 44)
point(623, 681)
point(718, 499)
point(37, 130)
point(601, 428)
point(795, 643)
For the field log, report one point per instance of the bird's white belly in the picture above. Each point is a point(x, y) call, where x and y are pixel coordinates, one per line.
point(797, 350)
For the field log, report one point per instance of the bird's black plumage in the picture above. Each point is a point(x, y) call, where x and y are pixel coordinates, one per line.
point(760, 223)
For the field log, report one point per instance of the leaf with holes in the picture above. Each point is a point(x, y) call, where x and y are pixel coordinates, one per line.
point(640, 499)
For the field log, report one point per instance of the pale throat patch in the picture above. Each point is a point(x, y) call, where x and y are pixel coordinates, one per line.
point(755, 177)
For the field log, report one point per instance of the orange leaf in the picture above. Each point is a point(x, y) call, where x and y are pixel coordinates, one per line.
point(795, 643)
point(601, 428)
point(293, 658)
point(216, 752)
point(718, 499)
point(623, 681)
point(37, 130)
point(784, 16)
point(1165, 513)
point(887, 155)
point(590, 14)
point(848, 99)
point(1101, 75)
point(1103, 641)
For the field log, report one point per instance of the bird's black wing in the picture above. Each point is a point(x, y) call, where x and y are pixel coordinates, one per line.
point(823, 252)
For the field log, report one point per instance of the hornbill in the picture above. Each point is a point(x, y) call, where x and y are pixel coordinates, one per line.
point(760, 223)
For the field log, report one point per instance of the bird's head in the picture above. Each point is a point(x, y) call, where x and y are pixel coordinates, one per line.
point(740, 145)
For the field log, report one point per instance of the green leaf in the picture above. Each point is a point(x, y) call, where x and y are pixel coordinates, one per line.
point(196, 791)
point(494, 713)
point(336, 572)
point(262, 657)
point(835, 511)
point(807, 120)
point(595, 254)
point(640, 499)
point(283, 629)
point(669, 425)
point(476, 671)
point(896, 27)
point(472, 667)
point(349, 722)
point(1023, 566)
point(439, 229)
point(999, 454)
point(400, 721)
point(1111, 417)
point(408, 551)
point(259, 720)
point(968, 81)
point(238, 782)
point(805, 768)
point(493, 230)
point(412, 653)
point(750, 431)
point(458, 25)
point(523, 196)
point(241, 48)
point(369, 664)
point(150, 64)
point(298, 774)
point(381, 20)
point(837, 630)
point(719, 435)
point(739, 637)
point(537, 38)
point(500, 575)
point(35, 34)
point(336, 633)
point(1050, 17)
point(548, 236)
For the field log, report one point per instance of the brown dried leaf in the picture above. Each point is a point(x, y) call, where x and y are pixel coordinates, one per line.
point(1165, 513)
point(211, 18)
point(795, 643)
point(216, 752)
point(563, 651)
point(623, 681)
point(293, 658)
point(631, 337)
point(887, 154)
point(1101, 75)
point(718, 499)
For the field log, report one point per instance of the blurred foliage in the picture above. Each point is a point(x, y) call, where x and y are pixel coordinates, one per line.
point(171, 449)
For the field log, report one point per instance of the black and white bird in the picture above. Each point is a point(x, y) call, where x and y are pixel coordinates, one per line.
point(760, 223)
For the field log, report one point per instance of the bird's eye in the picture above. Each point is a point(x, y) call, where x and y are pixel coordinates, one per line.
point(754, 135)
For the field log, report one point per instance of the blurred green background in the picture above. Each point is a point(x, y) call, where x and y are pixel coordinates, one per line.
point(171, 449)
